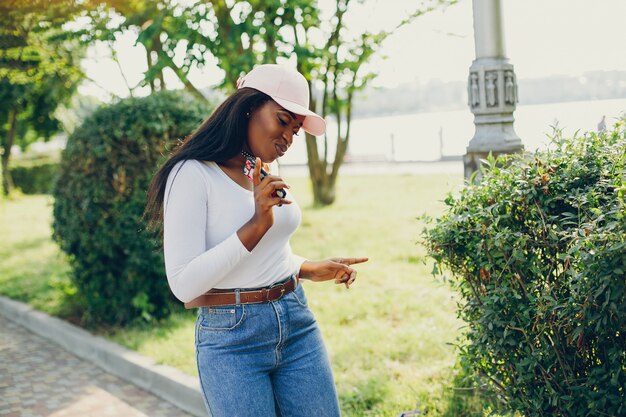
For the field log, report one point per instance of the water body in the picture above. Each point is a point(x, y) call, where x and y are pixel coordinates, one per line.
point(428, 136)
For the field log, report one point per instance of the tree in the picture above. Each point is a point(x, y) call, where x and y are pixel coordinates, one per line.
point(336, 68)
point(38, 71)
point(242, 34)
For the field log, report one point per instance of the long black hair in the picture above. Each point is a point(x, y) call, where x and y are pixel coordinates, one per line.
point(219, 138)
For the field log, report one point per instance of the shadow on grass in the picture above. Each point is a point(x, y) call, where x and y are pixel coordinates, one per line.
point(70, 308)
point(467, 396)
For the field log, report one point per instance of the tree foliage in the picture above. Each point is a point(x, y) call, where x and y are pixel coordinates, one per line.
point(186, 36)
point(539, 252)
point(38, 72)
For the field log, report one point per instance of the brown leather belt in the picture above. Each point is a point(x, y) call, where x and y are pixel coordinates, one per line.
point(216, 297)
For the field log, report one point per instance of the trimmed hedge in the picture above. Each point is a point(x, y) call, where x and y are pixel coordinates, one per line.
point(100, 194)
point(538, 249)
point(37, 178)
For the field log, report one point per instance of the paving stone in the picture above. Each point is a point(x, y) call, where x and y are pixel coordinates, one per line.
point(40, 379)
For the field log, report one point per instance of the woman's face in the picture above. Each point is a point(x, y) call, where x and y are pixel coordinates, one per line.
point(271, 130)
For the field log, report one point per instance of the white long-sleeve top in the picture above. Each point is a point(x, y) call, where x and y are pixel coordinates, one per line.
point(203, 209)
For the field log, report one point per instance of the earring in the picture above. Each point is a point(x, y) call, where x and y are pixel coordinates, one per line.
point(248, 115)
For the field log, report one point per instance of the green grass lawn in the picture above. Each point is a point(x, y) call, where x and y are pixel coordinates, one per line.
point(388, 336)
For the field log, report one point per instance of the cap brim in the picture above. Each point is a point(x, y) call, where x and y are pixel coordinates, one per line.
point(313, 123)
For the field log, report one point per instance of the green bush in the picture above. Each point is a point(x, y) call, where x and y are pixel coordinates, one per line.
point(36, 178)
point(538, 249)
point(99, 199)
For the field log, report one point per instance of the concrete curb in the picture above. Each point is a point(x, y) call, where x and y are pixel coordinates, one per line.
point(163, 381)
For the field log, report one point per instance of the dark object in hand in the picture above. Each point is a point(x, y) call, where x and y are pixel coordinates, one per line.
point(248, 169)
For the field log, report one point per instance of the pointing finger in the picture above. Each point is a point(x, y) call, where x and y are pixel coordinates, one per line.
point(352, 261)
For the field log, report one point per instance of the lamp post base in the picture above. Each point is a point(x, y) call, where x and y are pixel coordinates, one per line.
point(492, 93)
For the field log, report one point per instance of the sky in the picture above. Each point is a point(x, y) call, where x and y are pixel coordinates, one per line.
point(542, 38)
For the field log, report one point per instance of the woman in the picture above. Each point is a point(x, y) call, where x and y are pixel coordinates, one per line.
point(226, 242)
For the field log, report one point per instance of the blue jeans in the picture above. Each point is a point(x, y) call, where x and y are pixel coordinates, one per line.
point(264, 360)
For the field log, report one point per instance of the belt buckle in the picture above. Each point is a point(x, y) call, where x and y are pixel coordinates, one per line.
point(282, 289)
point(282, 286)
point(276, 285)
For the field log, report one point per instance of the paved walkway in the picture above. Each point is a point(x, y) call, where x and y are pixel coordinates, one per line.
point(40, 379)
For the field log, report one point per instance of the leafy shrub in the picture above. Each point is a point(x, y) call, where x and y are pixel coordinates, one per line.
point(539, 252)
point(36, 178)
point(99, 198)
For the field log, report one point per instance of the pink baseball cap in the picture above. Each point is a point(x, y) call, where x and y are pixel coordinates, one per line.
point(289, 89)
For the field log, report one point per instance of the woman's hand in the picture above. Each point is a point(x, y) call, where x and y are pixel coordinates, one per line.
point(334, 268)
point(251, 233)
point(263, 199)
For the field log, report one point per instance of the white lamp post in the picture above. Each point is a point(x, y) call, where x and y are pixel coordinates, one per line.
point(492, 89)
